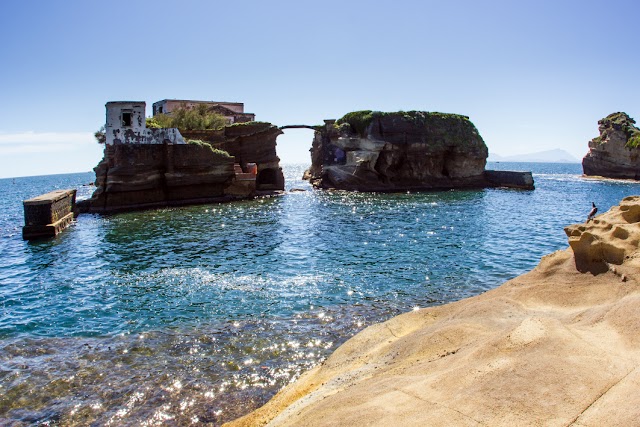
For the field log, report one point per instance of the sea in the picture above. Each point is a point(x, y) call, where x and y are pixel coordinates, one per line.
point(198, 315)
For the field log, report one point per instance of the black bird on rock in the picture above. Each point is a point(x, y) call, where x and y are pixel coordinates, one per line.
point(593, 212)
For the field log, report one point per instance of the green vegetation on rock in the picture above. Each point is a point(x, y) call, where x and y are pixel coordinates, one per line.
point(621, 122)
point(359, 121)
point(198, 118)
point(100, 135)
point(248, 124)
point(216, 151)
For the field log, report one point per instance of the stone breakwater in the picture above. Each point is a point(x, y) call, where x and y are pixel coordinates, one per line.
point(555, 346)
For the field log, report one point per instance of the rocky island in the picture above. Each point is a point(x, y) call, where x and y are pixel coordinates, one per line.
point(156, 167)
point(615, 153)
point(413, 150)
point(555, 346)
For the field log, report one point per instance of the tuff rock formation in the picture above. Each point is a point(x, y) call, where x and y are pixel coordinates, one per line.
point(250, 142)
point(555, 346)
point(139, 176)
point(615, 153)
point(415, 150)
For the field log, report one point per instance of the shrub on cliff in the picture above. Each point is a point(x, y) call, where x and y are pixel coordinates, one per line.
point(621, 122)
point(100, 135)
point(359, 121)
point(216, 151)
point(198, 118)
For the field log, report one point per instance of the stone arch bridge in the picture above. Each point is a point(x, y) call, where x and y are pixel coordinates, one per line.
point(300, 127)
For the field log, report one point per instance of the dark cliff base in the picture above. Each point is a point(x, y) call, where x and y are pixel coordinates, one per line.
point(132, 177)
point(607, 167)
point(370, 182)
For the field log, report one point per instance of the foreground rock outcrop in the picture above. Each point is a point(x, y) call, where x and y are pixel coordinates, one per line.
point(555, 346)
point(616, 152)
point(135, 176)
point(415, 150)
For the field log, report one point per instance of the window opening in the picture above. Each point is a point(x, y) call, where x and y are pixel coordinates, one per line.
point(126, 119)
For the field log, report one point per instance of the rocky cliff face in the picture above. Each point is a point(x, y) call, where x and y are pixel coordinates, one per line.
point(615, 153)
point(374, 151)
point(136, 176)
point(251, 142)
point(140, 176)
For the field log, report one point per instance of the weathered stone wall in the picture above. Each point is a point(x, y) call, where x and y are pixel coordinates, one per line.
point(129, 131)
point(126, 124)
point(48, 214)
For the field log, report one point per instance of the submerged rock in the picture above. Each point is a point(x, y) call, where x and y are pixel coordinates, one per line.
point(616, 152)
point(415, 150)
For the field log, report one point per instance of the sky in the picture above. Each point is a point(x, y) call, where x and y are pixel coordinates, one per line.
point(531, 75)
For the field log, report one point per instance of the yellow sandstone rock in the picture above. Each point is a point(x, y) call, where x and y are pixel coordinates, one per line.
point(557, 346)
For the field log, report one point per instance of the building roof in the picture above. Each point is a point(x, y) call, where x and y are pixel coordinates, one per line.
point(199, 102)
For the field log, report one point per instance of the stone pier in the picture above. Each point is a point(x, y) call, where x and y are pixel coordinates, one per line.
point(509, 179)
point(48, 214)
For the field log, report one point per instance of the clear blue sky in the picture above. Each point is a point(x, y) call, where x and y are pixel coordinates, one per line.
point(531, 75)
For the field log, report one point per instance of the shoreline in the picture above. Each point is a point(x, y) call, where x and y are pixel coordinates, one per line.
point(554, 346)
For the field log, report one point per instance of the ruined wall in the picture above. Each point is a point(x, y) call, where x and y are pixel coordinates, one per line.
point(126, 124)
point(168, 105)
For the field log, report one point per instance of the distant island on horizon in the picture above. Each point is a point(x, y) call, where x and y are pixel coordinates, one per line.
point(548, 156)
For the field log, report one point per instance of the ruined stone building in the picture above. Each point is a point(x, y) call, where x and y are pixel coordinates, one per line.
point(145, 168)
point(126, 125)
point(232, 111)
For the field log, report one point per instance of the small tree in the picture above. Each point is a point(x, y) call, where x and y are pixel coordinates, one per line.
point(101, 135)
point(183, 118)
point(198, 118)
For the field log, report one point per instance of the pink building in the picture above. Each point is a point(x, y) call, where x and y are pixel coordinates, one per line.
point(233, 111)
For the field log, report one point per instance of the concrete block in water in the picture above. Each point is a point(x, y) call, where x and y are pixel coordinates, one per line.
point(48, 214)
point(510, 179)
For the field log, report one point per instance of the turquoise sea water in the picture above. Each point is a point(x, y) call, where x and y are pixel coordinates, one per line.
point(196, 315)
